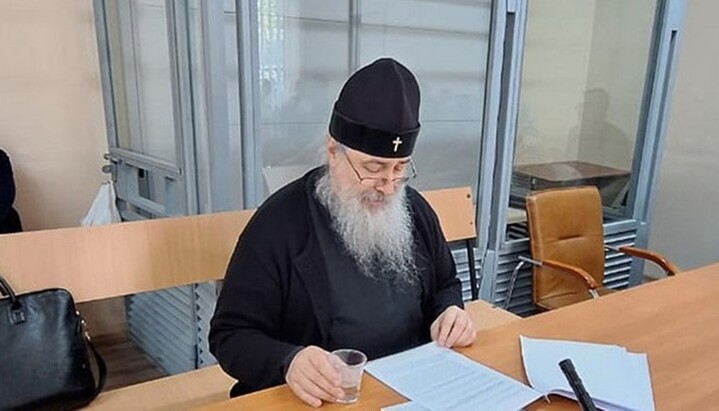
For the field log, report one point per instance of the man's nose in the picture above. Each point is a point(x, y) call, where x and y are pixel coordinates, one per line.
point(386, 186)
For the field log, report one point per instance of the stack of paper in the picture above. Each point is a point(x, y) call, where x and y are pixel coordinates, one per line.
point(614, 378)
point(437, 378)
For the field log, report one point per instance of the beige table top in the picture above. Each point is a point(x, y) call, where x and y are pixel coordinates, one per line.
point(184, 391)
point(374, 394)
point(674, 320)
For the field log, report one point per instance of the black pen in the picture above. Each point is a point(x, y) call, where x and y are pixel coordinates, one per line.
point(585, 401)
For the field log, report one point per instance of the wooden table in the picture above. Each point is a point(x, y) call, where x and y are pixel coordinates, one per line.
point(610, 181)
point(183, 391)
point(563, 173)
point(674, 320)
point(374, 394)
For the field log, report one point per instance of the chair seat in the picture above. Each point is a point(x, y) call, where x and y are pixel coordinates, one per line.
point(560, 301)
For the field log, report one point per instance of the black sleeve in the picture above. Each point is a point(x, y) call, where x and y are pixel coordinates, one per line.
point(449, 288)
point(244, 331)
point(7, 186)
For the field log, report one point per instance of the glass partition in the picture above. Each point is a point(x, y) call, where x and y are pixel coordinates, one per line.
point(446, 45)
point(308, 48)
point(139, 59)
point(582, 89)
point(303, 61)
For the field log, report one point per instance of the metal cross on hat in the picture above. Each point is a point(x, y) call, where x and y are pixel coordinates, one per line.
point(396, 143)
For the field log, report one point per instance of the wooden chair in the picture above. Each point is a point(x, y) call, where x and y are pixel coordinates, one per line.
point(455, 211)
point(567, 245)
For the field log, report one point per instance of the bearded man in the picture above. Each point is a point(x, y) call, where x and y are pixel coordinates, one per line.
point(348, 256)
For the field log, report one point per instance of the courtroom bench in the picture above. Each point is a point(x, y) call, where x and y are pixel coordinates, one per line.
point(102, 262)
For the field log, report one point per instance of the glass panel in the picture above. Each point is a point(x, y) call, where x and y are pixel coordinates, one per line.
point(303, 54)
point(227, 78)
point(197, 69)
point(445, 44)
point(231, 72)
point(233, 79)
point(141, 80)
point(582, 86)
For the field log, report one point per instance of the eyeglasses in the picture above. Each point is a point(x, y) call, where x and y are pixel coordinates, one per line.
point(381, 181)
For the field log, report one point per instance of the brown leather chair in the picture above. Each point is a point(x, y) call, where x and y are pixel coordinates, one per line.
point(567, 244)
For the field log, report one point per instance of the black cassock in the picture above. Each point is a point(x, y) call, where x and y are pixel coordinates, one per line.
point(277, 296)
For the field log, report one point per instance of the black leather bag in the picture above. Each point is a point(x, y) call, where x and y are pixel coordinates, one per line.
point(44, 362)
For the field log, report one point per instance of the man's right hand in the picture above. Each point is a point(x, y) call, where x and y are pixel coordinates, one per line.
point(312, 377)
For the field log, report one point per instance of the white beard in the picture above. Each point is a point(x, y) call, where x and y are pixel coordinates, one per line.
point(380, 241)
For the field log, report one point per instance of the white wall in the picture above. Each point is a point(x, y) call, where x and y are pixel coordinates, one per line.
point(51, 115)
point(684, 224)
point(52, 122)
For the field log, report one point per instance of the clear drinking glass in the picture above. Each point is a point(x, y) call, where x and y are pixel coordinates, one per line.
point(350, 363)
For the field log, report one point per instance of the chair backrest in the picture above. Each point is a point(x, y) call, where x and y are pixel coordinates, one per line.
point(455, 211)
point(565, 225)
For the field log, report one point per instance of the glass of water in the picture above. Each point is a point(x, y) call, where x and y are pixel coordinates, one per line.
point(350, 364)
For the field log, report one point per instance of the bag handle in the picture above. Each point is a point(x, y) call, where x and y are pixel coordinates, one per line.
point(101, 366)
point(6, 290)
point(17, 315)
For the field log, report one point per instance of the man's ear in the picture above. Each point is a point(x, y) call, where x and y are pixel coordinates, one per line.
point(331, 147)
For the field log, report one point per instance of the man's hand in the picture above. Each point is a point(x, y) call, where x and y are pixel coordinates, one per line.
point(453, 328)
point(312, 377)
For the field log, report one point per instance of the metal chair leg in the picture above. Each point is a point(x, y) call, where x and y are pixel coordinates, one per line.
point(513, 278)
point(472, 270)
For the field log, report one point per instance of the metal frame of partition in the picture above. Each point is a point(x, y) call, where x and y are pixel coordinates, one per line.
point(248, 65)
point(508, 22)
point(355, 21)
point(501, 255)
point(129, 166)
point(656, 101)
point(215, 158)
point(178, 35)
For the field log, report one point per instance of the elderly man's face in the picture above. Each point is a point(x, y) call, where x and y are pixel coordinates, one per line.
point(370, 212)
point(374, 180)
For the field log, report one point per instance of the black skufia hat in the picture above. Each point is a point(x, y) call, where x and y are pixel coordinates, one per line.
point(377, 110)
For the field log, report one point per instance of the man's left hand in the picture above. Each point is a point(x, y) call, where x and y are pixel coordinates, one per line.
point(453, 328)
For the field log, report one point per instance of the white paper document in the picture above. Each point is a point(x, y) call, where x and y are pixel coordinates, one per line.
point(407, 406)
point(614, 378)
point(438, 378)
